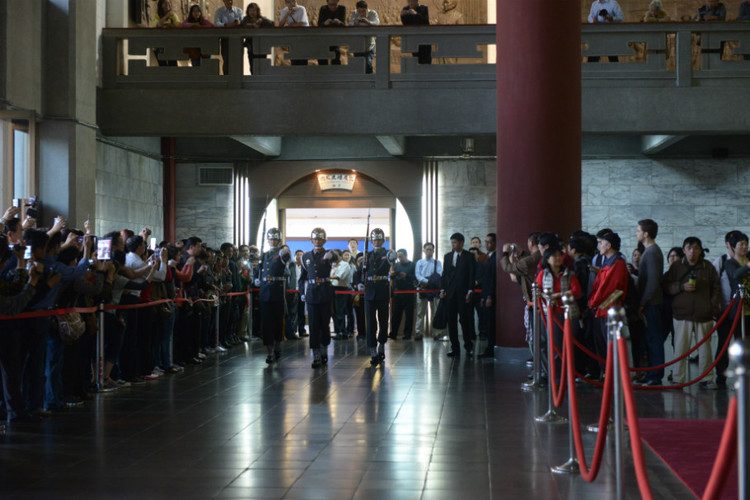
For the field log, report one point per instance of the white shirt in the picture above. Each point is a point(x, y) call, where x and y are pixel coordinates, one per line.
point(298, 16)
point(344, 272)
point(134, 262)
point(225, 16)
point(611, 6)
point(371, 16)
point(425, 267)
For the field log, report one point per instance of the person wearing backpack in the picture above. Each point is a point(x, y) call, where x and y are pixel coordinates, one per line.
point(611, 277)
point(726, 297)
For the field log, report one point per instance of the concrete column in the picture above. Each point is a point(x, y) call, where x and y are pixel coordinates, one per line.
point(538, 134)
point(67, 138)
point(170, 187)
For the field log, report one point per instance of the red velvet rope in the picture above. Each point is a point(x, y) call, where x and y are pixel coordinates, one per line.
point(558, 393)
point(726, 455)
point(635, 432)
point(589, 474)
point(694, 348)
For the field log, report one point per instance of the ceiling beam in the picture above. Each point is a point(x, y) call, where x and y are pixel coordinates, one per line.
point(268, 145)
point(652, 144)
point(394, 144)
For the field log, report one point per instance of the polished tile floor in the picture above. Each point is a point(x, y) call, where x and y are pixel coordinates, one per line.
point(421, 427)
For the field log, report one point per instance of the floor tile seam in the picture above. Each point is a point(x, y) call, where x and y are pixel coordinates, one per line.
point(440, 420)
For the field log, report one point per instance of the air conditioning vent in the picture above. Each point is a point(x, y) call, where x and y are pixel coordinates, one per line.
point(216, 176)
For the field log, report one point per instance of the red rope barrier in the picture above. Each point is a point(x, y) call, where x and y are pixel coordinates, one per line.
point(725, 457)
point(635, 432)
point(694, 348)
point(708, 370)
point(558, 393)
point(589, 474)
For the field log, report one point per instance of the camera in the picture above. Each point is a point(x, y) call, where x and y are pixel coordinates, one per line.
point(104, 249)
point(33, 207)
point(603, 13)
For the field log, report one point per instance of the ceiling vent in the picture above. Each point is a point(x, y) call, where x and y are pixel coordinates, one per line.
point(216, 176)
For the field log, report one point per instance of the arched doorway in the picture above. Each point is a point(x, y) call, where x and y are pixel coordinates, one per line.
point(290, 196)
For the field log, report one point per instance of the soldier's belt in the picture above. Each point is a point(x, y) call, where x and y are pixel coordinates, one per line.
point(320, 281)
point(377, 278)
point(274, 278)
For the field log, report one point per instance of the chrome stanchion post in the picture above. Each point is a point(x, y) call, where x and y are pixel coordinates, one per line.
point(571, 466)
point(551, 416)
point(615, 321)
point(741, 290)
point(535, 384)
point(219, 347)
point(100, 353)
point(739, 353)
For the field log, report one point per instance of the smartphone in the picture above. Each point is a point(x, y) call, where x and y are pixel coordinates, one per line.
point(80, 239)
point(27, 253)
point(104, 249)
point(152, 244)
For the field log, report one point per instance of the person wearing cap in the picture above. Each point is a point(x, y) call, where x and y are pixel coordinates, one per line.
point(457, 288)
point(375, 270)
point(611, 277)
point(315, 280)
point(271, 282)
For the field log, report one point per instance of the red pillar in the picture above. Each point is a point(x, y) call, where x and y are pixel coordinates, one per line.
point(538, 133)
point(169, 189)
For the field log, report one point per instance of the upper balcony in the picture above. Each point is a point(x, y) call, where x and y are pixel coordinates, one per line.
point(675, 78)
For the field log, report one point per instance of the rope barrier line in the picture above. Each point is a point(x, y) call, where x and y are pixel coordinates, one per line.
point(707, 370)
point(705, 339)
point(589, 473)
point(558, 393)
point(725, 456)
point(636, 444)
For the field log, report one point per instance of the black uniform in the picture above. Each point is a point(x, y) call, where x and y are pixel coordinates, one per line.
point(272, 295)
point(377, 296)
point(315, 280)
point(489, 281)
point(403, 303)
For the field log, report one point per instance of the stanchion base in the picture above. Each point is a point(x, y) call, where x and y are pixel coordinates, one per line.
point(531, 387)
point(569, 467)
point(551, 417)
point(595, 427)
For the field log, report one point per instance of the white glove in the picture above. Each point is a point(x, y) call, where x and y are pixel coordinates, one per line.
point(391, 256)
point(257, 281)
point(329, 255)
point(361, 287)
point(302, 297)
point(285, 255)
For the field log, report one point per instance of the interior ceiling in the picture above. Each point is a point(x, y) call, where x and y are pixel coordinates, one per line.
point(299, 148)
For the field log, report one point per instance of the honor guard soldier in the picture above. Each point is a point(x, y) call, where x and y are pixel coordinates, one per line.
point(316, 272)
point(272, 294)
point(376, 269)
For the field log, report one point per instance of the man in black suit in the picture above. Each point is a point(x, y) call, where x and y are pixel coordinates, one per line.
point(456, 288)
point(488, 295)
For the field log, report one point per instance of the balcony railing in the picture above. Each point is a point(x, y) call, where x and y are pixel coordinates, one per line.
point(659, 55)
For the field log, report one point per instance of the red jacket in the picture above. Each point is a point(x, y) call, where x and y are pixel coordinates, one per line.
point(609, 279)
point(574, 287)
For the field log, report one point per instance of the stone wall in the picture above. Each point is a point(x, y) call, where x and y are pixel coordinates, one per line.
point(467, 191)
point(129, 186)
point(203, 211)
point(686, 197)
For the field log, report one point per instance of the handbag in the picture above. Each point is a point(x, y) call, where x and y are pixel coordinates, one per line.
point(440, 321)
point(70, 326)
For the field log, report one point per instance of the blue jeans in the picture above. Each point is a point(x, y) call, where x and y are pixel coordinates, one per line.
point(53, 393)
point(654, 338)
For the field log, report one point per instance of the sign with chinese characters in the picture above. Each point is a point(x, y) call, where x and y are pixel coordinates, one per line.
point(336, 181)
